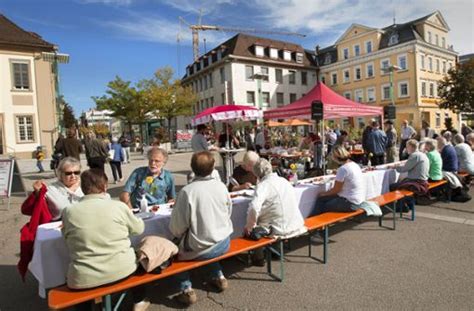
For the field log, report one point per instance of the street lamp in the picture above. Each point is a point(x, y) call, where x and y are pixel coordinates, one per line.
point(390, 70)
point(259, 77)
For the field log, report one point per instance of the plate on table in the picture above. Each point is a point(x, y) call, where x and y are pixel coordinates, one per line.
point(145, 215)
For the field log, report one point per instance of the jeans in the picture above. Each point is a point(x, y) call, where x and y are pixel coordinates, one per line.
point(126, 154)
point(39, 165)
point(333, 203)
point(116, 168)
point(213, 269)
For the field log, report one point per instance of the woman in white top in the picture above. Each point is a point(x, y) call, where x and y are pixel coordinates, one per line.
point(349, 188)
point(65, 191)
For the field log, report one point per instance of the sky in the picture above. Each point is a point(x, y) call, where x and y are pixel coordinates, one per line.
point(134, 38)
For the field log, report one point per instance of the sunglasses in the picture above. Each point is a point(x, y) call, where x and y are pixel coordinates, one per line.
point(77, 173)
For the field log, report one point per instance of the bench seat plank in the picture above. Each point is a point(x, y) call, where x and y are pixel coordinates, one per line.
point(323, 220)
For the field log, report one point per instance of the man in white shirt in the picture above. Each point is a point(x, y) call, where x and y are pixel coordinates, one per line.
point(407, 132)
point(426, 131)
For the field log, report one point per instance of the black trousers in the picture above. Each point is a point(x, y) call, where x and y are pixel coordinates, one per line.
point(403, 144)
point(116, 167)
point(377, 159)
point(97, 162)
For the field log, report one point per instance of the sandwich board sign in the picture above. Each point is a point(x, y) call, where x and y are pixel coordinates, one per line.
point(10, 179)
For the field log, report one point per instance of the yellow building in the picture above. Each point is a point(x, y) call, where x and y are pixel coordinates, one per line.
point(416, 54)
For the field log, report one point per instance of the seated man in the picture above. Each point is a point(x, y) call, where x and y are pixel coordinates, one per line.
point(417, 168)
point(436, 163)
point(464, 154)
point(448, 155)
point(156, 183)
point(348, 191)
point(201, 221)
point(243, 176)
point(96, 231)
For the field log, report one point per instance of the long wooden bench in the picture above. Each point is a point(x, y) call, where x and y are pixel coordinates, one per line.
point(62, 297)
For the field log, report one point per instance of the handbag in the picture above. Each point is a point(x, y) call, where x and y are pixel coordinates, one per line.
point(111, 154)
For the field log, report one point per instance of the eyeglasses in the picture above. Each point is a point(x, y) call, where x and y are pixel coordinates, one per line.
point(77, 173)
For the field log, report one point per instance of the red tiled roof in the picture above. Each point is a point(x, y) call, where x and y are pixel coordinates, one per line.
point(12, 34)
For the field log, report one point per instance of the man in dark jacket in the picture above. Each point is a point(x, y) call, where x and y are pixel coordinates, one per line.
point(96, 152)
point(376, 144)
point(69, 146)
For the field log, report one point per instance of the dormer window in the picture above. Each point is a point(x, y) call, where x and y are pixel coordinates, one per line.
point(202, 63)
point(259, 51)
point(327, 59)
point(393, 39)
point(209, 60)
point(219, 54)
point(287, 55)
point(299, 58)
point(273, 53)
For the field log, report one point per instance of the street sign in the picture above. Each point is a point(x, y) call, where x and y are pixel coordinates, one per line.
point(317, 110)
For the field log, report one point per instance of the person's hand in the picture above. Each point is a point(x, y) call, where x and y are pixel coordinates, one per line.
point(37, 185)
point(247, 232)
point(171, 201)
point(247, 185)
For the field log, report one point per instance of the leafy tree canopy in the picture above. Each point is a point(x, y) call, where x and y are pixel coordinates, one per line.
point(457, 88)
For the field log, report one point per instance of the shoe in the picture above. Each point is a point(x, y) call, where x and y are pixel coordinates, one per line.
point(220, 283)
point(115, 182)
point(187, 297)
point(141, 306)
point(121, 179)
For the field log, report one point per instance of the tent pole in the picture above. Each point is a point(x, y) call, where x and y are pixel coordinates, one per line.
point(323, 151)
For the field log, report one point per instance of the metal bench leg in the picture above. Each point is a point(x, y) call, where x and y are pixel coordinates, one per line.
point(107, 303)
point(119, 302)
point(380, 220)
point(309, 244)
point(394, 211)
point(281, 254)
point(413, 212)
point(325, 250)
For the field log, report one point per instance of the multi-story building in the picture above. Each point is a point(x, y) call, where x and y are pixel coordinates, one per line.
point(248, 70)
point(93, 116)
point(28, 115)
point(415, 54)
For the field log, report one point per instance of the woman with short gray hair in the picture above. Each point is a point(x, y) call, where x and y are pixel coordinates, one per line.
point(243, 176)
point(465, 155)
point(436, 163)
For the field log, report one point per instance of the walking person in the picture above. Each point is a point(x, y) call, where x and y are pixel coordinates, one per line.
point(407, 132)
point(69, 146)
point(39, 155)
point(377, 143)
point(116, 160)
point(96, 152)
point(391, 147)
point(125, 143)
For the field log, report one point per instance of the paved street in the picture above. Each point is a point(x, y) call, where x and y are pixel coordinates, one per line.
point(424, 265)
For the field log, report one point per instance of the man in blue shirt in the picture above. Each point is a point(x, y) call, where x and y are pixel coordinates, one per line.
point(156, 183)
point(376, 144)
point(448, 155)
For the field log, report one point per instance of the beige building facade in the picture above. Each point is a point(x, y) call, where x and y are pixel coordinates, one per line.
point(28, 115)
point(414, 55)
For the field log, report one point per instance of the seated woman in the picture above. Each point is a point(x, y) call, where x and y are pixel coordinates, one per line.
point(465, 155)
point(436, 163)
point(156, 183)
point(63, 192)
point(348, 191)
point(96, 231)
point(243, 176)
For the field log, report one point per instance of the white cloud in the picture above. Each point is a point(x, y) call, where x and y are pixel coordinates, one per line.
point(320, 17)
point(108, 2)
point(191, 6)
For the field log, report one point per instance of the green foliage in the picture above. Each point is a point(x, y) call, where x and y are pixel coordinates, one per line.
point(457, 88)
point(69, 120)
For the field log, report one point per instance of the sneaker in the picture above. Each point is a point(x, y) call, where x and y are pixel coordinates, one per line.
point(141, 306)
point(115, 182)
point(220, 283)
point(121, 179)
point(187, 297)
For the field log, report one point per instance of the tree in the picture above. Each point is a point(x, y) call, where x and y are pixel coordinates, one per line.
point(126, 102)
point(457, 88)
point(69, 120)
point(168, 95)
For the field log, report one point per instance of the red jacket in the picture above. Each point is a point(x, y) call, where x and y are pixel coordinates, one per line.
point(36, 207)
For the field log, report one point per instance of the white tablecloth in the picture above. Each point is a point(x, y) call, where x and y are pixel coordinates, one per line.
point(50, 259)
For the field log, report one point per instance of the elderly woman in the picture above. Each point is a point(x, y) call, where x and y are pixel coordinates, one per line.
point(66, 190)
point(116, 160)
point(274, 205)
point(465, 155)
point(243, 176)
point(348, 191)
point(96, 231)
point(152, 181)
point(436, 163)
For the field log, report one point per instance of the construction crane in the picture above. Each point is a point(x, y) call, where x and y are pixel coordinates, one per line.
point(196, 28)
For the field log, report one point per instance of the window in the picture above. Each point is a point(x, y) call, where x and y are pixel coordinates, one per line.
point(430, 64)
point(222, 74)
point(359, 95)
point(333, 78)
point(199, 85)
point(357, 73)
point(402, 62)
point(444, 66)
point(327, 59)
point(223, 101)
point(292, 77)
point(264, 72)
point(204, 80)
point(371, 94)
point(423, 89)
point(450, 65)
point(403, 89)
point(347, 95)
point(443, 42)
point(304, 78)
point(356, 50)
point(292, 97)
point(323, 80)
point(249, 73)
point(369, 69)
point(436, 39)
point(422, 61)
point(265, 99)
point(211, 83)
point(280, 99)
point(384, 64)
point(286, 55)
point(24, 129)
point(393, 39)
point(435, 89)
point(259, 51)
point(278, 76)
point(211, 100)
point(273, 53)
point(21, 76)
point(429, 36)
point(368, 47)
point(386, 91)
point(346, 53)
point(438, 119)
point(446, 115)
point(251, 97)
point(346, 76)
point(299, 58)
point(431, 89)
point(437, 65)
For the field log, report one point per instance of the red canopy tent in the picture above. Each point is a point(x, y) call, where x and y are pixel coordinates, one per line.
point(334, 106)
